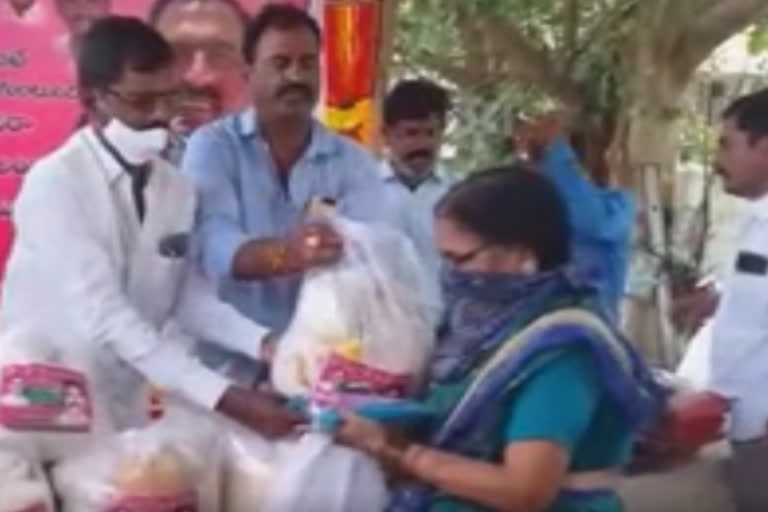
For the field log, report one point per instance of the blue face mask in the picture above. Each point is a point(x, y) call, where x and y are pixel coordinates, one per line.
point(491, 286)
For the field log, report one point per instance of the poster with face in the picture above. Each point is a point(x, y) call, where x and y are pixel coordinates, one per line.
point(39, 105)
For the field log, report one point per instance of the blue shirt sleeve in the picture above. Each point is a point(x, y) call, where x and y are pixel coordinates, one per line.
point(557, 403)
point(597, 213)
point(212, 168)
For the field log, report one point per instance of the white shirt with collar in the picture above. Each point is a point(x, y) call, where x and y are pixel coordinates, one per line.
point(739, 359)
point(88, 274)
point(414, 212)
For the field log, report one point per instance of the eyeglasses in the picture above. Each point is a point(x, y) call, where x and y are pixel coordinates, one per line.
point(458, 260)
point(147, 102)
point(216, 55)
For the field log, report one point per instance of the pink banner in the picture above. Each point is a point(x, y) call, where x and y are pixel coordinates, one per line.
point(38, 96)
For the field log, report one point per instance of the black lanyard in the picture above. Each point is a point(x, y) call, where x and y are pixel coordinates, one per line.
point(139, 175)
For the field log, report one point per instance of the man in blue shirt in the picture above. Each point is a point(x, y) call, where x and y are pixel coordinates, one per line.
point(259, 170)
point(601, 218)
point(415, 114)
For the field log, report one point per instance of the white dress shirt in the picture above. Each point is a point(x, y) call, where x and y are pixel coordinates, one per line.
point(739, 359)
point(88, 274)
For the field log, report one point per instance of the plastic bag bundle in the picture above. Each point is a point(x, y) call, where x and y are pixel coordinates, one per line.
point(174, 464)
point(23, 486)
point(315, 475)
point(47, 405)
point(365, 324)
point(249, 470)
point(695, 366)
point(298, 475)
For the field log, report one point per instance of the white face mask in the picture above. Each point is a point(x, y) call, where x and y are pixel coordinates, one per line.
point(136, 146)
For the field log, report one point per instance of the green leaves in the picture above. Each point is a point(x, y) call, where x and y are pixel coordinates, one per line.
point(518, 56)
point(757, 37)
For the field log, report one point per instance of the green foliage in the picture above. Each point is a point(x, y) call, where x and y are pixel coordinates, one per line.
point(586, 49)
point(757, 41)
point(428, 43)
point(425, 40)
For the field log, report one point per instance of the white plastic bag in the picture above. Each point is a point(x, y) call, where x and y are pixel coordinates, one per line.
point(372, 308)
point(314, 475)
point(23, 485)
point(47, 404)
point(695, 366)
point(174, 464)
point(249, 470)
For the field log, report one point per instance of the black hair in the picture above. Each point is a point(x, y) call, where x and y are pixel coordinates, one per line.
point(751, 114)
point(158, 9)
point(512, 206)
point(415, 100)
point(116, 43)
point(276, 16)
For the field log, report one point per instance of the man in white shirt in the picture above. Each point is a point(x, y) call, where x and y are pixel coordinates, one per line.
point(739, 360)
point(102, 258)
point(415, 113)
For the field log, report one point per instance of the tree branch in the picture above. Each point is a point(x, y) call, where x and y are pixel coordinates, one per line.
point(606, 24)
point(455, 71)
point(572, 19)
point(715, 25)
point(504, 51)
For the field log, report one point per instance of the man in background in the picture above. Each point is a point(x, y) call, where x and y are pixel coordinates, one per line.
point(260, 170)
point(206, 36)
point(415, 114)
point(602, 218)
point(739, 358)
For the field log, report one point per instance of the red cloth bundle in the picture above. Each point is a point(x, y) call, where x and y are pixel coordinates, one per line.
point(691, 421)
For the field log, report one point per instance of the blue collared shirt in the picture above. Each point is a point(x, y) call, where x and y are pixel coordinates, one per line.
point(414, 211)
point(601, 222)
point(242, 198)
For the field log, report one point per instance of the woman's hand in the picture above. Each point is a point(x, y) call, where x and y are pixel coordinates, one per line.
point(362, 434)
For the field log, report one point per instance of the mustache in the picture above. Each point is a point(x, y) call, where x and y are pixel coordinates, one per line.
point(419, 153)
point(300, 88)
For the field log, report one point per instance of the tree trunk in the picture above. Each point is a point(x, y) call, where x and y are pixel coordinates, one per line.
point(646, 137)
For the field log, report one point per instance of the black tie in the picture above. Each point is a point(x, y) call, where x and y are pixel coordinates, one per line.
point(139, 175)
point(139, 178)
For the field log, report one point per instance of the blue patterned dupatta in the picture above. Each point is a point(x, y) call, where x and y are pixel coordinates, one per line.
point(471, 387)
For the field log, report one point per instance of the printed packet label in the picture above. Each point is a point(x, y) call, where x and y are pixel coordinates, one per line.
point(186, 502)
point(44, 397)
point(344, 382)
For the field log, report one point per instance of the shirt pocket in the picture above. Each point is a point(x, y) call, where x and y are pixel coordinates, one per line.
point(746, 303)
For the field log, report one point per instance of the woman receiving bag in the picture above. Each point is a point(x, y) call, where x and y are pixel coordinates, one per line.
point(536, 396)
